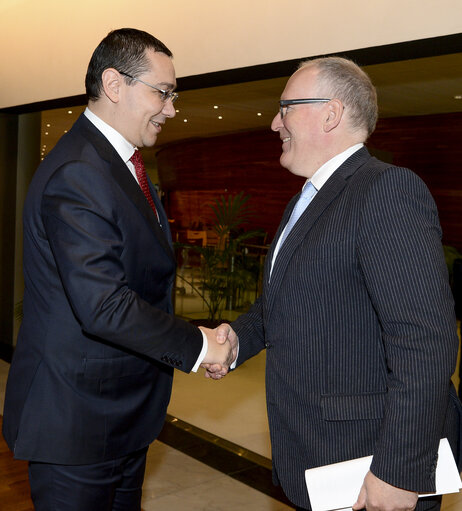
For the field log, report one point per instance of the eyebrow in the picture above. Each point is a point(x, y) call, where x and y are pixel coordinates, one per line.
point(167, 85)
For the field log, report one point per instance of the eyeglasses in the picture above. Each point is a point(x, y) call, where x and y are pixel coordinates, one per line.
point(165, 95)
point(284, 103)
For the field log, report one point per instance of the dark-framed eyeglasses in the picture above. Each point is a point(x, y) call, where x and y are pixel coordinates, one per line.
point(284, 103)
point(165, 95)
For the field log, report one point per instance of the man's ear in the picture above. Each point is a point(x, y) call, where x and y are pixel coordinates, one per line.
point(112, 82)
point(334, 115)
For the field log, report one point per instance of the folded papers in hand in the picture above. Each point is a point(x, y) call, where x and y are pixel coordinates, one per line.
point(337, 486)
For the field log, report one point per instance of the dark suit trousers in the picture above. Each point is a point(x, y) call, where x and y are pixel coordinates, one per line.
point(108, 486)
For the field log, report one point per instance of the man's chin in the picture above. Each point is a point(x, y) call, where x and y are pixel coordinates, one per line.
point(149, 142)
point(288, 164)
point(283, 160)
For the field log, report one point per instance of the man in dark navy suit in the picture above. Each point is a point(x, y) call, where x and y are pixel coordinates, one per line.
point(356, 312)
point(91, 376)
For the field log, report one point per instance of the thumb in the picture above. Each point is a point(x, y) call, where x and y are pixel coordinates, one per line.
point(361, 501)
point(222, 333)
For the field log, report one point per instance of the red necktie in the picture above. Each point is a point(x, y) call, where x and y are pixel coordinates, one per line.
point(140, 171)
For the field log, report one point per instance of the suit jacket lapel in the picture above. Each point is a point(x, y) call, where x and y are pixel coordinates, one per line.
point(125, 180)
point(127, 183)
point(326, 195)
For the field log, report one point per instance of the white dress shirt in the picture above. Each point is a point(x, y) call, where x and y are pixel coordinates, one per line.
point(318, 179)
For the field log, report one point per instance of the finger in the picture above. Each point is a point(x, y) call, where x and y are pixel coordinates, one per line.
point(215, 376)
point(220, 371)
point(214, 368)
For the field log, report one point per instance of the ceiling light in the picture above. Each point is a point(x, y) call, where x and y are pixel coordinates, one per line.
point(215, 106)
point(69, 111)
point(46, 132)
point(259, 114)
point(177, 111)
point(185, 120)
point(220, 117)
point(48, 125)
point(458, 96)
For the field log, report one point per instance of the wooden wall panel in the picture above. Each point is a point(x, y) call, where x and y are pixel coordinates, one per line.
point(194, 172)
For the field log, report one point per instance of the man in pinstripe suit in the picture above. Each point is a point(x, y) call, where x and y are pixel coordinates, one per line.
point(356, 313)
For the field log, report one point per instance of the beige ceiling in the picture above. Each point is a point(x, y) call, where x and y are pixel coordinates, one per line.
point(412, 87)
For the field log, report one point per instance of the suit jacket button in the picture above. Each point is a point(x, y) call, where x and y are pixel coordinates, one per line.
point(268, 345)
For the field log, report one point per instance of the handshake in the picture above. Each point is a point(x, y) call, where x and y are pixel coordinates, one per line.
point(222, 350)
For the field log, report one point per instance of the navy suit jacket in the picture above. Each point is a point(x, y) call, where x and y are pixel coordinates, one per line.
point(358, 322)
point(92, 372)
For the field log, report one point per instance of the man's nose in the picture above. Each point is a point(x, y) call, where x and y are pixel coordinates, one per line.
point(169, 109)
point(276, 125)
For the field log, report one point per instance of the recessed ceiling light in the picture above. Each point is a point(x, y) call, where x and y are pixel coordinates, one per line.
point(69, 111)
point(177, 111)
point(48, 125)
point(185, 120)
point(259, 114)
point(215, 106)
point(46, 132)
point(458, 96)
point(220, 117)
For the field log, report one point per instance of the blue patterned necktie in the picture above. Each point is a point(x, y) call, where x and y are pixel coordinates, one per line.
point(308, 192)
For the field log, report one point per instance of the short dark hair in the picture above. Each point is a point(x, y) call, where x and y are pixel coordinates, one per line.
point(125, 50)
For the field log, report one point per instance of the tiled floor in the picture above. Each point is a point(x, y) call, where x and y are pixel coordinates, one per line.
point(176, 481)
point(233, 409)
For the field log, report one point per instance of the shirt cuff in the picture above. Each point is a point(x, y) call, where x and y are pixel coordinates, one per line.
point(233, 365)
point(202, 354)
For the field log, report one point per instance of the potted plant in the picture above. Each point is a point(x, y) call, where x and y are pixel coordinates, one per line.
point(225, 269)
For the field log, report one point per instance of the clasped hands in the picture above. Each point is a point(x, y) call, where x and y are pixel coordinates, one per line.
point(222, 350)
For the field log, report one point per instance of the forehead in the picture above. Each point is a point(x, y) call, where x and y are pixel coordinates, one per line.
point(161, 68)
point(302, 84)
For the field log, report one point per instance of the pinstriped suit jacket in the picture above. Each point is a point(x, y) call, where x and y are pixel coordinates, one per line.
point(358, 322)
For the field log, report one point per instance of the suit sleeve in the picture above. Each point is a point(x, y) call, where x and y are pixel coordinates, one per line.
point(401, 258)
point(80, 213)
point(249, 328)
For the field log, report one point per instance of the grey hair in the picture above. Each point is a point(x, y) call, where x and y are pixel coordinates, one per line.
point(342, 79)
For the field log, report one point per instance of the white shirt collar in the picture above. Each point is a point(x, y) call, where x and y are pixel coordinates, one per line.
point(324, 172)
point(120, 144)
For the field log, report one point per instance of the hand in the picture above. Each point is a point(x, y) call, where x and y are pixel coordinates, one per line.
point(377, 495)
point(219, 352)
point(223, 333)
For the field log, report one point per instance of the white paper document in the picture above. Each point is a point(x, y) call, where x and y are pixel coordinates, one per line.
point(337, 486)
